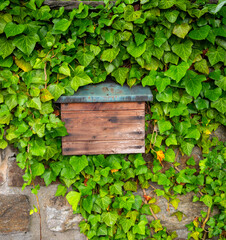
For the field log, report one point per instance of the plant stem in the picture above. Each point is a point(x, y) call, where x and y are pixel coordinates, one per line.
point(207, 217)
point(39, 212)
point(45, 75)
point(153, 214)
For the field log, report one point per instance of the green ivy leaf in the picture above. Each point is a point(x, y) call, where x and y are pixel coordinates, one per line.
point(175, 202)
point(38, 147)
point(95, 49)
point(183, 50)
point(130, 15)
point(208, 200)
point(170, 155)
point(56, 90)
point(213, 94)
point(171, 16)
point(216, 55)
point(202, 66)
point(37, 169)
point(179, 215)
point(73, 198)
point(78, 163)
point(220, 105)
point(160, 38)
point(170, 57)
point(177, 72)
point(11, 29)
point(84, 57)
point(164, 126)
point(164, 4)
point(130, 186)
point(136, 51)
point(181, 30)
point(110, 54)
point(193, 133)
point(121, 74)
point(11, 101)
point(161, 83)
point(80, 78)
point(171, 140)
point(26, 43)
point(156, 224)
point(6, 47)
point(149, 79)
point(61, 190)
point(35, 103)
point(179, 110)
point(103, 202)
point(191, 161)
point(61, 25)
point(4, 4)
point(193, 83)
point(178, 189)
point(201, 33)
point(48, 177)
point(221, 83)
point(139, 38)
point(109, 218)
point(166, 96)
point(64, 69)
point(3, 144)
point(140, 228)
point(187, 147)
point(116, 188)
point(126, 224)
point(87, 203)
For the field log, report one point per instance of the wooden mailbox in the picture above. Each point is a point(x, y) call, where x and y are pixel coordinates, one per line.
point(105, 119)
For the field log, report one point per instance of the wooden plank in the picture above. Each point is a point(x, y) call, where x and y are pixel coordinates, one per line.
point(98, 132)
point(104, 125)
point(104, 117)
point(70, 5)
point(72, 124)
point(107, 106)
point(99, 118)
point(103, 147)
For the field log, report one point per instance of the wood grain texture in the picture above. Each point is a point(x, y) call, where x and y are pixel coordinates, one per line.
point(70, 5)
point(104, 117)
point(107, 106)
point(119, 132)
point(103, 128)
point(103, 147)
point(104, 125)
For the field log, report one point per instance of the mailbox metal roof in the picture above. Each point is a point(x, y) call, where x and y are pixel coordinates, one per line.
point(109, 92)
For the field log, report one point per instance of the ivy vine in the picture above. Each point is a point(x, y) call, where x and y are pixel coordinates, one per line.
point(177, 47)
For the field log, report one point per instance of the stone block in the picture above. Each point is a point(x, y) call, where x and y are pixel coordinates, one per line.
point(220, 133)
point(2, 178)
point(60, 217)
point(15, 175)
point(14, 213)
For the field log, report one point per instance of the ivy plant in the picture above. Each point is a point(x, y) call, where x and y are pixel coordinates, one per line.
point(177, 48)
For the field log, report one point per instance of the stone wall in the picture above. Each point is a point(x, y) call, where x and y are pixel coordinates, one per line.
point(58, 220)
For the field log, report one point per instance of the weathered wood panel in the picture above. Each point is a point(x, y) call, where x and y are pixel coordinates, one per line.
point(104, 117)
point(104, 125)
point(103, 128)
point(72, 124)
point(69, 5)
point(102, 106)
point(103, 147)
point(105, 133)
